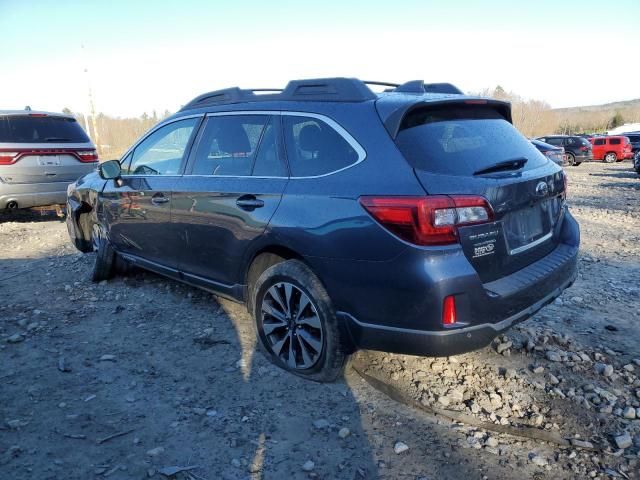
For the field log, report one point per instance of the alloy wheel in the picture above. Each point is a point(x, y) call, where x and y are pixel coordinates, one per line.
point(291, 325)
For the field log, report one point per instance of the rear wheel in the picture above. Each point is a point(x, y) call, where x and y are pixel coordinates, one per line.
point(104, 266)
point(610, 157)
point(571, 159)
point(576, 164)
point(296, 324)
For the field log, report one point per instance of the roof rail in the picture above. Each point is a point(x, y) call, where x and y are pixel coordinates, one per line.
point(338, 89)
point(319, 89)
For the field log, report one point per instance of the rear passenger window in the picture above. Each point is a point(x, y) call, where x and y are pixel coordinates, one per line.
point(268, 163)
point(614, 141)
point(229, 145)
point(315, 148)
point(161, 152)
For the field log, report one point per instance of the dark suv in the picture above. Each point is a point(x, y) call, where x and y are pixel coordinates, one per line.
point(418, 220)
point(634, 138)
point(577, 149)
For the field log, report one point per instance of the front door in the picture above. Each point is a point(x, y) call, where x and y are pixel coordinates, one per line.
point(137, 206)
point(232, 187)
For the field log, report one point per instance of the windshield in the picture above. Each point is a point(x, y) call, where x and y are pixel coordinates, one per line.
point(48, 129)
point(462, 140)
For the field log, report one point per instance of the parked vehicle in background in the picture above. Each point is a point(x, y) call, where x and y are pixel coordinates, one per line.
point(577, 149)
point(634, 138)
point(611, 149)
point(636, 164)
point(553, 153)
point(41, 153)
point(417, 221)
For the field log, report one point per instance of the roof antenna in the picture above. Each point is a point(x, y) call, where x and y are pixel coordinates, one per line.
point(27, 108)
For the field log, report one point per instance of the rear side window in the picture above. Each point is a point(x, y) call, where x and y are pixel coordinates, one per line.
point(229, 144)
point(40, 129)
point(461, 140)
point(557, 141)
point(614, 141)
point(315, 148)
point(161, 152)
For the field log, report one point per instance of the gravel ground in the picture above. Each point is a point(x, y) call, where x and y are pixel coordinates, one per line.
point(130, 378)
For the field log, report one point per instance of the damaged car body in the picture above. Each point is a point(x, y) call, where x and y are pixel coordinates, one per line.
point(417, 220)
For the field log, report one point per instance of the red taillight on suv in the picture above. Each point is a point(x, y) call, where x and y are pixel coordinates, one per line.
point(8, 158)
point(430, 220)
point(87, 156)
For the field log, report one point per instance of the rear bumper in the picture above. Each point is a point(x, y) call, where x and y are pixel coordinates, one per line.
point(584, 157)
point(396, 306)
point(28, 195)
point(440, 343)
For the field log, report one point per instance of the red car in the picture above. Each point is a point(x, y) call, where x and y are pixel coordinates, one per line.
point(611, 149)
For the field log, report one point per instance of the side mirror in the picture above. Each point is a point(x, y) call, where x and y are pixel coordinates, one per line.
point(110, 169)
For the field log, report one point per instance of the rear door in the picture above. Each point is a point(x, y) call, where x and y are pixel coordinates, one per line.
point(453, 149)
point(232, 187)
point(137, 207)
point(599, 147)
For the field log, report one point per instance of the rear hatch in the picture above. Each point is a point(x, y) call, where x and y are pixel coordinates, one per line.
point(472, 149)
point(43, 148)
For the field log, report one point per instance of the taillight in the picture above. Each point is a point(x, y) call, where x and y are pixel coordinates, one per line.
point(449, 315)
point(87, 156)
point(584, 148)
point(7, 158)
point(430, 220)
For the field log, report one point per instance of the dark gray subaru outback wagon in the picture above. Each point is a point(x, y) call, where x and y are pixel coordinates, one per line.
point(417, 220)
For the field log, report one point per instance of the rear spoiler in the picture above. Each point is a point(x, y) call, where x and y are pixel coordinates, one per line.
point(392, 111)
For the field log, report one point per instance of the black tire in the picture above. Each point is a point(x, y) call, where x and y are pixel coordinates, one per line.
point(577, 164)
point(329, 362)
point(571, 159)
point(104, 265)
point(610, 157)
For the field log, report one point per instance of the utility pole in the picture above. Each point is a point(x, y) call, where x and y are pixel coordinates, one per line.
point(92, 108)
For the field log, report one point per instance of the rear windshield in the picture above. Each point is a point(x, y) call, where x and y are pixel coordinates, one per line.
point(462, 140)
point(49, 129)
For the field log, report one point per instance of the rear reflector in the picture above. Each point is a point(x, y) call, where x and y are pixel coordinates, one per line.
point(449, 310)
point(430, 220)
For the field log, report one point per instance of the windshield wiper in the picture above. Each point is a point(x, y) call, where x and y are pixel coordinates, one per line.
point(57, 139)
point(513, 164)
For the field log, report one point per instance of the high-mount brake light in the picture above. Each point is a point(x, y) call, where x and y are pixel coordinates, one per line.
point(430, 220)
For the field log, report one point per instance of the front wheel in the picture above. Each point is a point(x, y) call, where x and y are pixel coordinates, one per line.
point(610, 157)
point(104, 266)
point(296, 323)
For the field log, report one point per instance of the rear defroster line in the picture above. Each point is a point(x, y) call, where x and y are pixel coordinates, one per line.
point(521, 430)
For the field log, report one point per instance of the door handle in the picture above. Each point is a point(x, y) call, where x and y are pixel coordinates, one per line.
point(159, 199)
point(249, 202)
